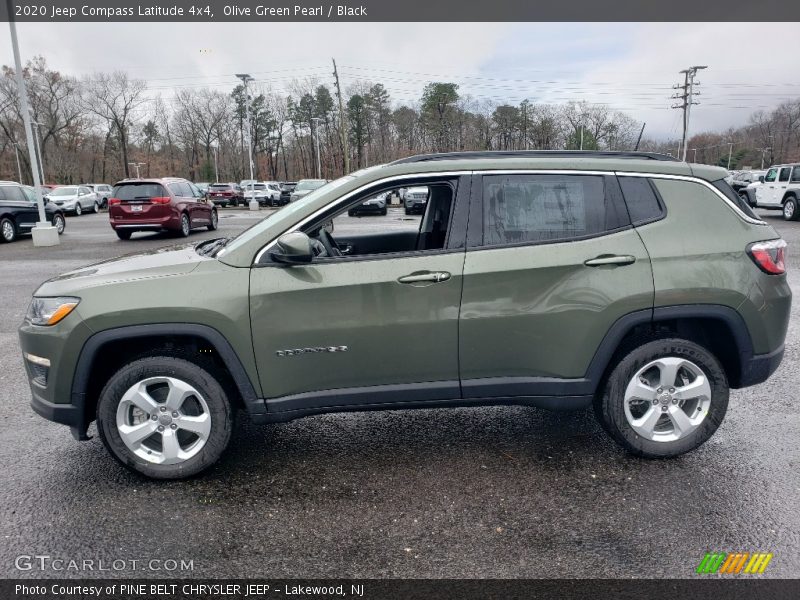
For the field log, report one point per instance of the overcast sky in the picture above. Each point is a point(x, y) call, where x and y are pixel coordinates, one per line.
point(629, 66)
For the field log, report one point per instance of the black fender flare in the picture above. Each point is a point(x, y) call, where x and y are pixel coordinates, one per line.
point(83, 368)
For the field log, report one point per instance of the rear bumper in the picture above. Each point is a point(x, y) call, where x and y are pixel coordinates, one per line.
point(760, 367)
point(133, 224)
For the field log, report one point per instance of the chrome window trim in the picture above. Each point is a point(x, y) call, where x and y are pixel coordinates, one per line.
point(346, 197)
point(690, 178)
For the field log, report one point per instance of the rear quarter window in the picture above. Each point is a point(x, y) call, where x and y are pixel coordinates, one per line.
point(641, 199)
point(724, 187)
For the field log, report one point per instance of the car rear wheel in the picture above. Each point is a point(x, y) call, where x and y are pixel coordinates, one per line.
point(186, 227)
point(123, 234)
point(78, 209)
point(790, 209)
point(164, 417)
point(663, 399)
point(212, 226)
point(8, 230)
point(59, 223)
point(95, 208)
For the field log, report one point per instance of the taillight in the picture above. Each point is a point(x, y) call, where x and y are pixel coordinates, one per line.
point(160, 200)
point(769, 256)
point(114, 201)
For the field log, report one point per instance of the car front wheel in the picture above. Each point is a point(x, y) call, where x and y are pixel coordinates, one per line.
point(59, 223)
point(790, 212)
point(8, 230)
point(664, 398)
point(164, 417)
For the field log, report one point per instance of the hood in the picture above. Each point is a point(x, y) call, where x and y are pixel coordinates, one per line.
point(161, 262)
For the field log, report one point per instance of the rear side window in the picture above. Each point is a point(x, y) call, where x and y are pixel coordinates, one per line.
point(724, 187)
point(139, 191)
point(12, 193)
point(796, 174)
point(641, 199)
point(542, 208)
point(784, 176)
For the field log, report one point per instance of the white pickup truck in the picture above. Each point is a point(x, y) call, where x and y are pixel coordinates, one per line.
point(780, 190)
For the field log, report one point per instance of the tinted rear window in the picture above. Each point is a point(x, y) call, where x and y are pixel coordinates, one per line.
point(641, 199)
point(724, 187)
point(139, 191)
point(219, 186)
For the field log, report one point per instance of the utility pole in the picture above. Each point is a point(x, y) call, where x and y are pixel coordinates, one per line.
point(687, 100)
point(245, 80)
point(342, 123)
point(19, 167)
point(136, 166)
point(730, 152)
point(44, 233)
point(315, 133)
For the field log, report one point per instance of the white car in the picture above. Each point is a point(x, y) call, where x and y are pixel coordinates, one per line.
point(75, 198)
point(273, 193)
point(103, 191)
point(257, 191)
point(780, 190)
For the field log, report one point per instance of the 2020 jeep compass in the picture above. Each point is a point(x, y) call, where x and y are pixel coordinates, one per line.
point(628, 281)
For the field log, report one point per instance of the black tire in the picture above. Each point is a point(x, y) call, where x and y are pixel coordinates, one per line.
point(610, 410)
point(220, 410)
point(408, 212)
point(351, 213)
point(8, 230)
point(385, 211)
point(78, 209)
point(59, 222)
point(791, 209)
point(123, 234)
point(212, 226)
point(95, 208)
point(186, 226)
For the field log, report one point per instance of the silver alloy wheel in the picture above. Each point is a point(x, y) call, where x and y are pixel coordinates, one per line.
point(667, 399)
point(185, 225)
point(96, 208)
point(214, 219)
point(58, 223)
point(163, 420)
point(788, 209)
point(8, 231)
point(78, 209)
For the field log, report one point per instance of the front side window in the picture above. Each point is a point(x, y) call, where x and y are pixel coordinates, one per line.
point(542, 208)
point(771, 175)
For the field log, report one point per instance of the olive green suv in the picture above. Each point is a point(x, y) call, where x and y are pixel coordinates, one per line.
point(631, 282)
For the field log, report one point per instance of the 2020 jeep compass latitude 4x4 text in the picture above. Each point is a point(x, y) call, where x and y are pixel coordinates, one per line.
point(548, 279)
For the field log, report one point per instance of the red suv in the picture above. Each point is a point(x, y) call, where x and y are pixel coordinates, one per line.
point(170, 204)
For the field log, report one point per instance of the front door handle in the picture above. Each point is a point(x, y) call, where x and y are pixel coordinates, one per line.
point(610, 260)
point(425, 277)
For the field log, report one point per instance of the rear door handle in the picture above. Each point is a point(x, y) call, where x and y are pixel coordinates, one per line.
point(425, 277)
point(610, 260)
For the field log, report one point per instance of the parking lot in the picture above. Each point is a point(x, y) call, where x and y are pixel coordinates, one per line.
point(497, 492)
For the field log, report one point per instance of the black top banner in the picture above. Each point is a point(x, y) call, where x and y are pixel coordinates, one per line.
point(400, 11)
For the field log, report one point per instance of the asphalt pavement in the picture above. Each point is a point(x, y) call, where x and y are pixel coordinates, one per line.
point(500, 492)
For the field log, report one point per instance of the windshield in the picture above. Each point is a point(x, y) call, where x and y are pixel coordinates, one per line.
point(295, 207)
point(310, 184)
point(63, 191)
point(219, 186)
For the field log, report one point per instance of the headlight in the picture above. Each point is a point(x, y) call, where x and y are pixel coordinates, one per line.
point(49, 311)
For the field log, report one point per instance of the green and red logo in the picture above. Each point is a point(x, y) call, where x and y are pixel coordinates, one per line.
point(734, 563)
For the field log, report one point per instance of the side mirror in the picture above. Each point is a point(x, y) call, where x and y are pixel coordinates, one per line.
point(293, 249)
point(761, 178)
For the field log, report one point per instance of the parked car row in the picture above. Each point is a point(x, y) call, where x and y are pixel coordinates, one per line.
point(19, 212)
point(777, 188)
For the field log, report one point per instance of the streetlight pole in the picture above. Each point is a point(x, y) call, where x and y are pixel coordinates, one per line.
point(19, 167)
point(216, 169)
point(315, 121)
point(38, 147)
point(694, 158)
point(730, 151)
point(44, 234)
point(136, 166)
point(245, 80)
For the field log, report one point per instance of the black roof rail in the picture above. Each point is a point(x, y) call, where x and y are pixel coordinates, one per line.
point(532, 154)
